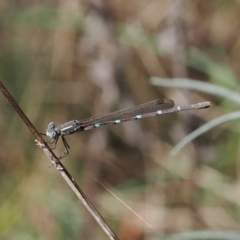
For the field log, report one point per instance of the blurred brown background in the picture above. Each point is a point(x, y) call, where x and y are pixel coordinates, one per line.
point(65, 60)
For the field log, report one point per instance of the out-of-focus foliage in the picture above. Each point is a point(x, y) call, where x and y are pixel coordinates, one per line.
point(65, 60)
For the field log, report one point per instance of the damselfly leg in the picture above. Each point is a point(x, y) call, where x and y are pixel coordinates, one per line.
point(67, 147)
point(54, 141)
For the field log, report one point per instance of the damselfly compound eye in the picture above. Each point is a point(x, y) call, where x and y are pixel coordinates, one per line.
point(51, 125)
point(51, 134)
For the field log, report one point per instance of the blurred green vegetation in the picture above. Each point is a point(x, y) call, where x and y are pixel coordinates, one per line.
point(75, 59)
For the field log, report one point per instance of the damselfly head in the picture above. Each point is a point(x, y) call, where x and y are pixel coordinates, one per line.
point(51, 130)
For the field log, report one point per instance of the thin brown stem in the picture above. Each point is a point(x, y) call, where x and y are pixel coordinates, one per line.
point(55, 161)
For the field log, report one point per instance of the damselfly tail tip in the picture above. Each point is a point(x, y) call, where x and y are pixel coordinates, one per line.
point(202, 105)
point(206, 104)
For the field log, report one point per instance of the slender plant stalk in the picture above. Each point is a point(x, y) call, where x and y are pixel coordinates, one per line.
point(59, 166)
